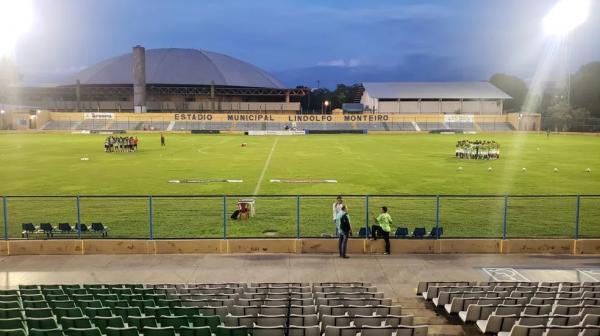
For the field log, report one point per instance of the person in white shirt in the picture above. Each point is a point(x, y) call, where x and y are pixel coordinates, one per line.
point(337, 209)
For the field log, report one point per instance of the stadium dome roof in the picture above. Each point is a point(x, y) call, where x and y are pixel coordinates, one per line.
point(175, 66)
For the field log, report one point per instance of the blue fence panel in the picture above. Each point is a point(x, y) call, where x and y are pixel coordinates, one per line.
point(541, 217)
point(589, 217)
point(472, 217)
point(125, 217)
point(187, 217)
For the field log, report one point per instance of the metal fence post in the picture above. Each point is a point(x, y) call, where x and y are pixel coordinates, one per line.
point(367, 215)
point(505, 218)
point(225, 217)
point(150, 218)
point(297, 217)
point(577, 207)
point(5, 213)
point(437, 216)
point(78, 217)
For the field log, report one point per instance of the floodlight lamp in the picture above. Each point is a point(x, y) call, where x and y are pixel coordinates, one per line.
point(2, 111)
point(565, 16)
point(326, 103)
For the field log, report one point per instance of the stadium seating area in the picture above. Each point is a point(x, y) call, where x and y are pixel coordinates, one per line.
point(520, 308)
point(226, 309)
point(65, 230)
point(269, 126)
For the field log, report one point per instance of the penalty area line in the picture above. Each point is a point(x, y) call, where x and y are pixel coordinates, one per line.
point(264, 170)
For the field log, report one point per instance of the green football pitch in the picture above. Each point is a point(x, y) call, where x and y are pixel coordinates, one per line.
point(386, 164)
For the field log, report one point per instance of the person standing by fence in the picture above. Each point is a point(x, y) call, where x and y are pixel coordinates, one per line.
point(345, 230)
point(337, 208)
point(383, 228)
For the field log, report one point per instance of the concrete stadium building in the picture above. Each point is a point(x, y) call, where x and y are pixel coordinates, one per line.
point(166, 80)
point(433, 98)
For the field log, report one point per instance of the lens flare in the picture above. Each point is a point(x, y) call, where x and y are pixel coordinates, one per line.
point(565, 16)
point(16, 18)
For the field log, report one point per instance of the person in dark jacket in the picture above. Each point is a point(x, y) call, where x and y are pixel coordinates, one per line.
point(345, 231)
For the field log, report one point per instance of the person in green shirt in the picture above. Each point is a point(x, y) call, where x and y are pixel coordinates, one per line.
point(383, 228)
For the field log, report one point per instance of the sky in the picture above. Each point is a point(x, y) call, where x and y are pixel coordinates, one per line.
point(309, 42)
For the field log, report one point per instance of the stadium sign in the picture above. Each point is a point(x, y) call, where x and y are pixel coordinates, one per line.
point(220, 117)
point(458, 118)
point(98, 116)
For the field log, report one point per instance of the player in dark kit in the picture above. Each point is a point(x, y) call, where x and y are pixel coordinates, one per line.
point(162, 140)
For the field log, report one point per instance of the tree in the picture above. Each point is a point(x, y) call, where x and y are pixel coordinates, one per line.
point(563, 117)
point(514, 87)
point(585, 88)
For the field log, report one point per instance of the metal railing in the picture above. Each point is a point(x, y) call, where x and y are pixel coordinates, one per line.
point(302, 216)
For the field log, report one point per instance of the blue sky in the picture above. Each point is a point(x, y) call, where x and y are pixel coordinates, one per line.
point(305, 41)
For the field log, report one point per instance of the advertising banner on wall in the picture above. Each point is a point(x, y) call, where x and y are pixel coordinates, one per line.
point(458, 118)
point(98, 116)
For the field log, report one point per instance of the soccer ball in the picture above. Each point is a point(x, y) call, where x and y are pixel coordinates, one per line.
point(589, 170)
point(524, 169)
point(556, 170)
point(538, 148)
point(460, 168)
point(490, 168)
point(244, 144)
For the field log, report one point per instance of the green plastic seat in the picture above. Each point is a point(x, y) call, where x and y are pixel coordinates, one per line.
point(97, 291)
point(187, 311)
point(131, 297)
point(130, 331)
point(82, 297)
point(76, 291)
point(142, 303)
point(75, 322)
point(26, 287)
point(150, 331)
point(46, 287)
point(157, 311)
point(121, 291)
point(231, 331)
point(94, 312)
point(105, 322)
point(133, 286)
point(12, 323)
point(9, 292)
point(107, 297)
point(30, 292)
point(68, 312)
point(94, 286)
point(41, 323)
point(71, 286)
point(128, 311)
point(61, 297)
point(115, 303)
point(142, 321)
point(46, 332)
point(39, 312)
point(195, 331)
point(143, 291)
point(11, 313)
point(169, 303)
point(61, 304)
point(53, 291)
point(13, 332)
point(35, 304)
point(174, 321)
point(9, 297)
point(90, 303)
point(83, 332)
point(10, 304)
point(155, 297)
point(212, 321)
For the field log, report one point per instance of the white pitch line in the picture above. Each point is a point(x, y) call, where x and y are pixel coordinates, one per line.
point(264, 170)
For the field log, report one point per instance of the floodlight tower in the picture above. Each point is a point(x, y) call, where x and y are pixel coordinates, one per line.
point(563, 19)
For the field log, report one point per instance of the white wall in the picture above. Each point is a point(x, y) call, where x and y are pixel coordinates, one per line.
point(471, 107)
point(450, 106)
point(409, 107)
point(388, 107)
point(491, 107)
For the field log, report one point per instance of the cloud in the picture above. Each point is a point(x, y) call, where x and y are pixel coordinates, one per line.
point(350, 63)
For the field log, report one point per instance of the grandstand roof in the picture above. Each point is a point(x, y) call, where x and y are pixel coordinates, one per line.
point(175, 66)
point(440, 90)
